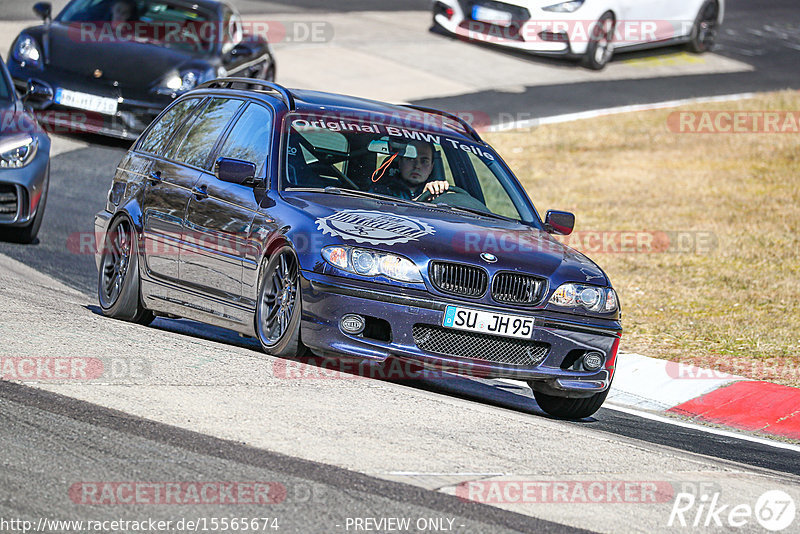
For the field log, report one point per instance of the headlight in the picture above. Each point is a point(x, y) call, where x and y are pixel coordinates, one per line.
point(16, 152)
point(592, 298)
point(372, 263)
point(26, 51)
point(183, 81)
point(565, 7)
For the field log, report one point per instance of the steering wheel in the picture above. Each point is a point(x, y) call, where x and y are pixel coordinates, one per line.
point(425, 196)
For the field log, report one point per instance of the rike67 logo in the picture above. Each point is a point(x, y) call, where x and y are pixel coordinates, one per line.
point(774, 510)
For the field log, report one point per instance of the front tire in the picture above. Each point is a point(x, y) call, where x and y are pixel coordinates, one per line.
point(704, 31)
point(601, 43)
point(566, 408)
point(279, 306)
point(118, 279)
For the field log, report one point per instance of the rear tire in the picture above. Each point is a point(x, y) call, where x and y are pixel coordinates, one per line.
point(118, 278)
point(565, 408)
point(704, 31)
point(601, 43)
point(279, 306)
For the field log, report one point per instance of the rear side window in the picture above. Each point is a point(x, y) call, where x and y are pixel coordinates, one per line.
point(157, 138)
point(249, 139)
point(203, 134)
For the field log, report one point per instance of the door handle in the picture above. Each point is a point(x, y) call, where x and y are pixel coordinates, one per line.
point(155, 178)
point(200, 192)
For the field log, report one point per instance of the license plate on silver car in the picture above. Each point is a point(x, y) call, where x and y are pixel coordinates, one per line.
point(499, 324)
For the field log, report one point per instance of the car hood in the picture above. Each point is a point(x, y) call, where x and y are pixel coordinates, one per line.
point(129, 63)
point(425, 234)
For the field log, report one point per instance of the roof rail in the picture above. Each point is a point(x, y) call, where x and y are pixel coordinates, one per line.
point(285, 94)
point(467, 126)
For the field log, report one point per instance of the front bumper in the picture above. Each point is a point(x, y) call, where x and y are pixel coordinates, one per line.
point(136, 109)
point(24, 187)
point(326, 299)
point(539, 32)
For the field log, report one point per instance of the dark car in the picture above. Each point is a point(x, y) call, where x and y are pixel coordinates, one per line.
point(24, 167)
point(260, 211)
point(111, 66)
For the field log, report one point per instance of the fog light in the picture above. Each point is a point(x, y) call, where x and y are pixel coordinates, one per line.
point(592, 361)
point(352, 324)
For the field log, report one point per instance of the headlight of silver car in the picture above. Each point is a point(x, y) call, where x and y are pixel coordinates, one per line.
point(26, 51)
point(592, 298)
point(370, 263)
point(565, 7)
point(17, 151)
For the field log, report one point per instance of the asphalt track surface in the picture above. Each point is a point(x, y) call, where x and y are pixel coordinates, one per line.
point(103, 444)
point(763, 34)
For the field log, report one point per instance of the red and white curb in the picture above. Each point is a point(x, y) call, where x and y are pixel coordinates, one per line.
point(706, 396)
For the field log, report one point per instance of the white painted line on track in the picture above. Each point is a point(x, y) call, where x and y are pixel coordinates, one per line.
point(582, 115)
point(702, 428)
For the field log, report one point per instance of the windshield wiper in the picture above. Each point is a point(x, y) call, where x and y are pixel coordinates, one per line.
point(355, 193)
point(475, 211)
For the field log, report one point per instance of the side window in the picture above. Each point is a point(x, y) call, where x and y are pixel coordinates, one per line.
point(195, 148)
point(160, 133)
point(495, 196)
point(249, 138)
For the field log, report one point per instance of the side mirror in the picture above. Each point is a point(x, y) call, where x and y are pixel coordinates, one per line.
point(235, 171)
point(38, 91)
point(43, 10)
point(559, 222)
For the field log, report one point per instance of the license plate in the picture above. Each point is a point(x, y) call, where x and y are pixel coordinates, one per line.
point(498, 324)
point(492, 16)
point(75, 99)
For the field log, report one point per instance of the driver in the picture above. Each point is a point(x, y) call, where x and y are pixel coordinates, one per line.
point(123, 11)
point(414, 176)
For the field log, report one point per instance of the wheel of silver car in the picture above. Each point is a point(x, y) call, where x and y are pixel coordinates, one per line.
point(704, 31)
point(118, 283)
point(279, 305)
point(567, 408)
point(601, 43)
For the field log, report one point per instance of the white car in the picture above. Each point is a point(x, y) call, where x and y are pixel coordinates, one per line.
point(588, 29)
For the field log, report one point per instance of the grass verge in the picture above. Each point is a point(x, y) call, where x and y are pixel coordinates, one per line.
point(730, 302)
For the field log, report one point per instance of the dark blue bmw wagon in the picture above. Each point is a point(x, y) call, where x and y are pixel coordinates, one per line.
point(353, 228)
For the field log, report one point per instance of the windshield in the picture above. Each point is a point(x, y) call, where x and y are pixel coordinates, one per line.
point(399, 162)
point(156, 21)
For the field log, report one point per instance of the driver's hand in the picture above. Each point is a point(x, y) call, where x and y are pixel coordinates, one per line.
point(436, 188)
